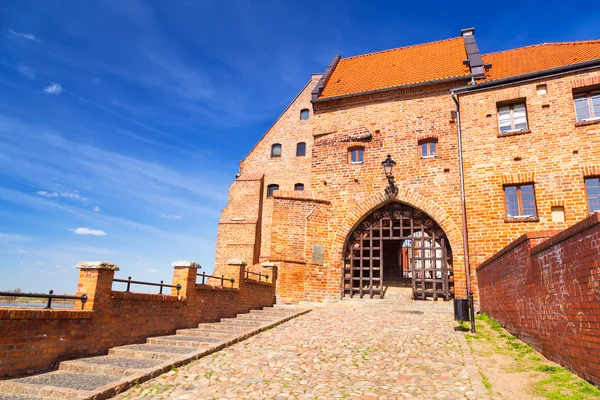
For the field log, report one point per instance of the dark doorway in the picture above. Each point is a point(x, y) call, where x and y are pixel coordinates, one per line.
point(392, 261)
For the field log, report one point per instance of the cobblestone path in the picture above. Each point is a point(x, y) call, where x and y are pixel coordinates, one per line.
point(367, 349)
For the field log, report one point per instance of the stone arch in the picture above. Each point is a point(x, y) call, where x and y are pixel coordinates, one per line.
point(379, 199)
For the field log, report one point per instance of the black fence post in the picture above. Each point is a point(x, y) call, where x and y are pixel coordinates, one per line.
point(49, 305)
point(128, 284)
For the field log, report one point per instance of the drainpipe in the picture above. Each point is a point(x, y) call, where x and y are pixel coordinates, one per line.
point(464, 213)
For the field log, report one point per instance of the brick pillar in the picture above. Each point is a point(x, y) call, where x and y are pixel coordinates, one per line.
point(272, 276)
point(95, 280)
point(236, 268)
point(184, 273)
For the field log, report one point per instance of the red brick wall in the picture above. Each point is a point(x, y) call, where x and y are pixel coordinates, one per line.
point(555, 156)
point(35, 340)
point(546, 290)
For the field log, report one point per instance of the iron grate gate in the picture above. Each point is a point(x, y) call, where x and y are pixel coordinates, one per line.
point(429, 256)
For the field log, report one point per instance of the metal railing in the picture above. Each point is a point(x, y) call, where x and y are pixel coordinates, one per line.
point(222, 278)
point(259, 274)
point(48, 296)
point(128, 281)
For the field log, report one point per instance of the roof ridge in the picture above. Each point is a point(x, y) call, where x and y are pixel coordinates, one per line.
point(399, 48)
point(544, 44)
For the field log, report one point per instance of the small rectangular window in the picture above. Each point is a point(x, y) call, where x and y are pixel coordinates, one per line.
point(304, 114)
point(301, 149)
point(276, 150)
point(428, 149)
point(587, 106)
point(512, 117)
point(592, 189)
point(299, 186)
point(520, 201)
point(357, 155)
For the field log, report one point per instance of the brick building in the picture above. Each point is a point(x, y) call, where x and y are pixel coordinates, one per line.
point(312, 196)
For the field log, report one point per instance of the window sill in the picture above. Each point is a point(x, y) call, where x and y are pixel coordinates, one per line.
point(517, 220)
point(514, 133)
point(588, 122)
point(428, 157)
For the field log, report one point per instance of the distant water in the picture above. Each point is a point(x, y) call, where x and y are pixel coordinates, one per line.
point(36, 305)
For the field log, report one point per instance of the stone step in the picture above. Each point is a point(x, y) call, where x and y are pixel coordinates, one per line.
point(183, 341)
point(57, 385)
point(148, 351)
point(259, 317)
point(210, 333)
point(245, 322)
point(217, 326)
point(272, 311)
point(18, 397)
point(109, 365)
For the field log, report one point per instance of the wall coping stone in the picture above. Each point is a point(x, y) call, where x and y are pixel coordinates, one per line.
point(268, 264)
point(236, 261)
point(189, 264)
point(98, 265)
point(515, 243)
point(579, 227)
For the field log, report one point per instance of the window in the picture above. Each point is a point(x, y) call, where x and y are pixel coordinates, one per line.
point(512, 118)
point(301, 149)
point(276, 150)
point(271, 189)
point(356, 155)
point(587, 106)
point(592, 188)
point(520, 201)
point(304, 114)
point(428, 148)
point(299, 186)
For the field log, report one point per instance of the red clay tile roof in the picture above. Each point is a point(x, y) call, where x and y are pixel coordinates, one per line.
point(540, 57)
point(403, 66)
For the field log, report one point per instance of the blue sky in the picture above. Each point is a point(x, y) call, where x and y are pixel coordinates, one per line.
point(122, 122)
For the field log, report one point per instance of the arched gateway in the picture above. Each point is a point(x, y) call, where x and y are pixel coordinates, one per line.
point(398, 244)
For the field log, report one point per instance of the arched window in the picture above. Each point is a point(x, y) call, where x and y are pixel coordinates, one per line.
point(299, 186)
point(271, 189)
point(356, 155)
point(428, 148)
point(276, 150)
point(301, 149)
point(304, 114)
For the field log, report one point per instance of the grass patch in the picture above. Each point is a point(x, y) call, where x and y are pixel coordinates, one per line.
point(552, 382)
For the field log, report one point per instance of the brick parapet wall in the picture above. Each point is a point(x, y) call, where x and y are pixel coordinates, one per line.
point(35, 340)
point(546, 290)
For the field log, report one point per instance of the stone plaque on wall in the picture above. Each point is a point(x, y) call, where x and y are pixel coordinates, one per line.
point(318, 254)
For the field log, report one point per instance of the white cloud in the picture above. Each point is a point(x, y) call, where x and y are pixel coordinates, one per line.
point(88, 231)
point(23, 251)
point(28, 36)
point(27, 71)
point(39, 264)
point(151, 270)
point(47, 194)
point(168, 216)
point(54, 88)
point(73, 196)
point(97, 209)
point(66, 195)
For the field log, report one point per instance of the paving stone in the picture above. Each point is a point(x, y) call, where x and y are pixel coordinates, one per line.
point(69, 380)
point(18, 397)
point(136, 363)
point(364, 349)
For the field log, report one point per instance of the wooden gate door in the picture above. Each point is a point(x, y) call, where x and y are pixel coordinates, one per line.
point(429, 254)
point(429, 267)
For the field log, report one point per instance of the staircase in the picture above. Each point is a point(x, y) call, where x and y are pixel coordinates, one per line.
point(105, 376)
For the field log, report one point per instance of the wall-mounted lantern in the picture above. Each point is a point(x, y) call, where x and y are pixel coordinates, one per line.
point(388, 167)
